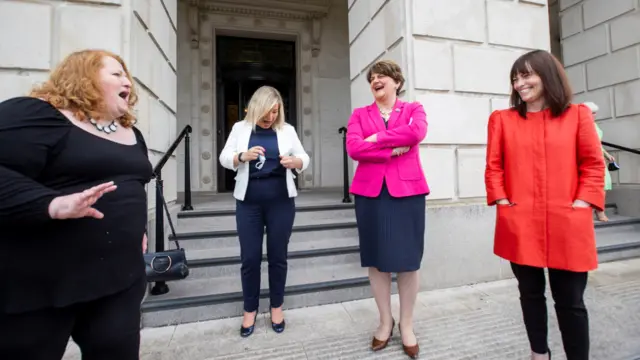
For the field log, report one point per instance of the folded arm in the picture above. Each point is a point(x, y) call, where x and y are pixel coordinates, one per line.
point(406, 135)
point(590, 161)
point(30, 130)
point(361, 150)
point(494, 170)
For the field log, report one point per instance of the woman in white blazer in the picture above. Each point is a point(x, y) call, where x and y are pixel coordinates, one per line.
point(263, 149)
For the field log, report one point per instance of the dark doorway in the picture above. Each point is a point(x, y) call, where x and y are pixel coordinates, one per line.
point(243, 65)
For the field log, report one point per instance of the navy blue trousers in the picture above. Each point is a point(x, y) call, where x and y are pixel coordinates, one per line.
point(267, 205)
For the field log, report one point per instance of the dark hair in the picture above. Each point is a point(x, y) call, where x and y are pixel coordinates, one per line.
point(556, 89)
point(387, 68)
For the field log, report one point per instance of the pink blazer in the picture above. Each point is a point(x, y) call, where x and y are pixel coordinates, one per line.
point(404, 176)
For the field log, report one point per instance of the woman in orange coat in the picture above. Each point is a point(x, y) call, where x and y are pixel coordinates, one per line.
point(544, 172)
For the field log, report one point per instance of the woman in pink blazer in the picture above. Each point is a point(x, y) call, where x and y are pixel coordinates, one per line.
point(390, 197)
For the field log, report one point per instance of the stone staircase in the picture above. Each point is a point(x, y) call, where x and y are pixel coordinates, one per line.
point(619, 238)
point(324, 265)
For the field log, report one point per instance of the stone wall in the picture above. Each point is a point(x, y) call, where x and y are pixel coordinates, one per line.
point(330, 90)
point(153, 63)
point(456, 55)
point(322, 61)
point(376, 29)
point(601, 52)
point(37, 34)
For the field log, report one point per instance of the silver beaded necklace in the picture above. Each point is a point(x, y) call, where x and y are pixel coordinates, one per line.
point(386, 114)
point(111, 128)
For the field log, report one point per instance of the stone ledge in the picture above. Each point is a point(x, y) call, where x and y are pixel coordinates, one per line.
point(267, 8)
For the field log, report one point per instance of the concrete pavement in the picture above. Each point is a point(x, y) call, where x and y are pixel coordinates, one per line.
point(481, 321)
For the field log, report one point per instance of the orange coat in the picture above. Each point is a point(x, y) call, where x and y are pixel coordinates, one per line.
point(541, 165)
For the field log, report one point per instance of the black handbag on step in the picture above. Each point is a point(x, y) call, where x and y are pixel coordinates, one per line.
point(167, 265)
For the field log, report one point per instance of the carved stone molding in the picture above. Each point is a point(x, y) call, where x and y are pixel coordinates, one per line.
point(279, 9)
point(316, 32)
point(193, 24)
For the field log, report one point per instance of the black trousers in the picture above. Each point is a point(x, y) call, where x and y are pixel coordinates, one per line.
point(567, 289)
point(266, 205)
point(105, 329)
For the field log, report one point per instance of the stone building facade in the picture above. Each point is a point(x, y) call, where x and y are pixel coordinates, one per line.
point(456, 56)
point(601, 52)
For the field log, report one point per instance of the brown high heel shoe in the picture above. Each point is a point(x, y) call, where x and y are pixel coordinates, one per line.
point(411, 351)
point(377, 345)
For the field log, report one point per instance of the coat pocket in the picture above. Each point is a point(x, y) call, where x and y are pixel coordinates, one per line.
point(508, 223)
point(410, 169)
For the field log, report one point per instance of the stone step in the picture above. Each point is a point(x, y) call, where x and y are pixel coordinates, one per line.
point(302, 232)
point(224, 262)
point(611, 210)
point(618, 239)
point(324, 268)
point(206, 299)
point(229, 209)
point(614, 236)
point(224, 220)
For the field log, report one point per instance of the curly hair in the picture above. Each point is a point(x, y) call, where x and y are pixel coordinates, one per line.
point(74, 85)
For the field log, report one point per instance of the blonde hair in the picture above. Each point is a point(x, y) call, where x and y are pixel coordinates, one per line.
point(74, 85)
point(261, 103)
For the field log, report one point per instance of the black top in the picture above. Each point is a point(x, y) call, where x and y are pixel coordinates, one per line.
point(268, 139)
point(53, 263)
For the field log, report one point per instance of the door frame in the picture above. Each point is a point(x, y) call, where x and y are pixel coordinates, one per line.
point(296, 30)
point(220, 118)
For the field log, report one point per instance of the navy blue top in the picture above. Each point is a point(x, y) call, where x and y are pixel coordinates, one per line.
point(268, 139)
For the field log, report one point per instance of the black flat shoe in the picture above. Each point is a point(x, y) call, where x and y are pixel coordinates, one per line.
point(278, 327)
point(247, 331)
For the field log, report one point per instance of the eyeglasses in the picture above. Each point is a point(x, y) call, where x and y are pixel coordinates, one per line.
point(261, 161)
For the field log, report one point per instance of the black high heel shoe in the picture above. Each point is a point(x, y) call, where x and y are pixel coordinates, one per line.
point(247, 331)
point(278, 328)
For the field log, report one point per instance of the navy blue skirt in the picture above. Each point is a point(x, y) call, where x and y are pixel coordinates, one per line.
point(391, 231)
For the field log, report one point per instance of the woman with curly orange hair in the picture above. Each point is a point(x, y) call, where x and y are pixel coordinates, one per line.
point(73, 214)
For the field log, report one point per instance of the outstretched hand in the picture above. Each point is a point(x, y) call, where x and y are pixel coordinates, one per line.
point(80, 205)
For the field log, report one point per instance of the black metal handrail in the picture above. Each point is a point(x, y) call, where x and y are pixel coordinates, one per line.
point(346, 198)
point(620, 147)
point(161, 287)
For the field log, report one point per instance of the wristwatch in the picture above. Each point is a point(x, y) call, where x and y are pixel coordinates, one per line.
point(240, 157)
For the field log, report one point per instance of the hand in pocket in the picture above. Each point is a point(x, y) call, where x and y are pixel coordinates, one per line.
point(580, 204)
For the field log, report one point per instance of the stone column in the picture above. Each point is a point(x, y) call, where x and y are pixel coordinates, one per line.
point(207, 92)
point(456, 55)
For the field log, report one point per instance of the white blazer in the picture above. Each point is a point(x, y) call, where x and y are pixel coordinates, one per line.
point(288, 144)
